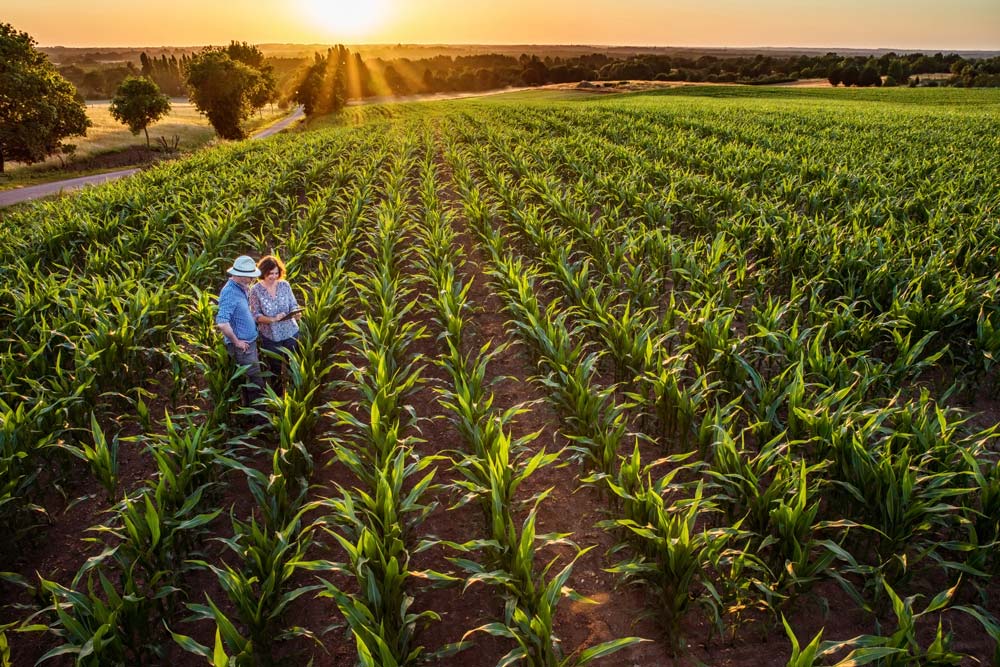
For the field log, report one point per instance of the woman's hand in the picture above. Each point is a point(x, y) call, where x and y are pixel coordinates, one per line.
point(279, 317)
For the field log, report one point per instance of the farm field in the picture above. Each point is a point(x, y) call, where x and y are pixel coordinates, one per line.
point(699, 376)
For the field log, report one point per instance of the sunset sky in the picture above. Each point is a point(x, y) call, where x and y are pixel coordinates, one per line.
point(899, 24)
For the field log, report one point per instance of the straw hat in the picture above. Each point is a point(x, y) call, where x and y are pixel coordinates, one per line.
point(244, 266)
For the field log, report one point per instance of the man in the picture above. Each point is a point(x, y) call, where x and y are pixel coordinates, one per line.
point(237, 324)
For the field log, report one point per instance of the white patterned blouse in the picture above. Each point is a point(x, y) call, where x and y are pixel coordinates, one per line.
point(283, 301)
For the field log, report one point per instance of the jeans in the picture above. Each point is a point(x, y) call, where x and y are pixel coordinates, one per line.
point(277, 361)
point(253, 386)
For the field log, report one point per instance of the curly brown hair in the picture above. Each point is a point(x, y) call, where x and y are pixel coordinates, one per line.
point(268, 263)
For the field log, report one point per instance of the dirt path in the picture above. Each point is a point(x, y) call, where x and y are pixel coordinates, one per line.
point(281, 124)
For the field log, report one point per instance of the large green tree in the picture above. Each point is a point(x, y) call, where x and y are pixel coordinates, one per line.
point(138, 103)
point(323, 87)
point(38, 107)
point(250, 54)
point(224, 89)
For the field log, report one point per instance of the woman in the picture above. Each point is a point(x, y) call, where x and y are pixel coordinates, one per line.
point(271, 302)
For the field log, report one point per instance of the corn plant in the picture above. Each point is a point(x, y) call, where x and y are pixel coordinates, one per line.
point(672, 555)
point(380, 617)
point(21, 442)
point(259, 591)
point(231, 649)
point(903, 646)
point(982, 511)
point(102, 625)
point(529, 621)
point(102, 457)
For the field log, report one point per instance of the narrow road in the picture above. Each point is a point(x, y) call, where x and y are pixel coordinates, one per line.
point(281, 124)
point(19, 195)
point(9, 197)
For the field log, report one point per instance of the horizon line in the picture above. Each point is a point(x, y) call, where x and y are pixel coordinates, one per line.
point(830, 49)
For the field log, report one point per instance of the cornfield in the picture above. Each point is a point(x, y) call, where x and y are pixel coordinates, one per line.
point(707, 375)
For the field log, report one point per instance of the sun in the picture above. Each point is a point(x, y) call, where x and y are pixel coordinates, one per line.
point(346, 18)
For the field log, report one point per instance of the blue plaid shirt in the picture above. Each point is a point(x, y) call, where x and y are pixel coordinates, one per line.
point(234, 309)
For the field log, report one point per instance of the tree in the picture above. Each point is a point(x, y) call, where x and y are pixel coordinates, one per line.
point(323, 85)
point(869, 77)
point(137, 103)
point(308, 89)
point(899, 70)
point(533, 71)
point(224, 90)
point(38, 107)
point(359, 78)
point(849, 75)
point(250, 54)
point(395, 81)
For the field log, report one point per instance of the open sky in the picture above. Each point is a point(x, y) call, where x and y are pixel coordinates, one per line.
point(900, 24)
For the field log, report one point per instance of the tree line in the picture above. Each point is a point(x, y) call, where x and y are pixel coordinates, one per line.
point(481, 72)
point(169, 74)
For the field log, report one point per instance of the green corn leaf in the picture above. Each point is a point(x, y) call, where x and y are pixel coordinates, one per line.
point(190, 645)
point(219, 657)
point(607, 648)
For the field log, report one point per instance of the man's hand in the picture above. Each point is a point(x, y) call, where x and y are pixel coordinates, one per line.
point(227, 331)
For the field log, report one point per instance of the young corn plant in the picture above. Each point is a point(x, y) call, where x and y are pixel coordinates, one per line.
point(982, 513)
point(102, 625)
point(798, 558)
point(379, 614)
point(24, 436)
point(529, 620)
point(102, 457)
point(231, 649)
point(672, 555)
point(904, 646)
point(899, 498)
point(260, 590)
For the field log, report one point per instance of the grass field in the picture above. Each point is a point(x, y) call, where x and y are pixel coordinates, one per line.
point(693, 377)
point(107, 134)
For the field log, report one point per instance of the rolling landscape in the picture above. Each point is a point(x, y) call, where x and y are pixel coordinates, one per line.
point(647, 354)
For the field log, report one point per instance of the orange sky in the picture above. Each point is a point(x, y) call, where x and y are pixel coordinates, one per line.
point(913, 24)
